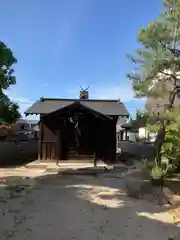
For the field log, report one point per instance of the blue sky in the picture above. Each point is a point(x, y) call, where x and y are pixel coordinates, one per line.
point(61, 45)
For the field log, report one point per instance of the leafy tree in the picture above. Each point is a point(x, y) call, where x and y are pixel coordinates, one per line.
point(142, 118)
point(157, 68)
point(9, 111)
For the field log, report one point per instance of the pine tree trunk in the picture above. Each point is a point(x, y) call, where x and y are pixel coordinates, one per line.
point(161, 135)
point(160, 138)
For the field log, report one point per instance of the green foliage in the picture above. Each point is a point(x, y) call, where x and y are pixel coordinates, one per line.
point(160, 40)
point(156, 74)
point(156, 172)
point(6, 71)
point(9, 111)
point(171, 146)
point(142, 118)
point(153, 128)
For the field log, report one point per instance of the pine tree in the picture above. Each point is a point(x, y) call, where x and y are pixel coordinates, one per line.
point(157, 73)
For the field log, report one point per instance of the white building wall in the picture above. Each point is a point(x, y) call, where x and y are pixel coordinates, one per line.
point(144, 133)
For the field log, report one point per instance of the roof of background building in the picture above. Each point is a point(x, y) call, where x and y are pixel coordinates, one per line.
point(32, 121)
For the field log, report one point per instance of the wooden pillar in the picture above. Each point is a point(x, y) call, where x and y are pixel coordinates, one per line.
point(121, 136)
point(40, 140)
point(126, 136)
point(58, 145)
point(111, 142)
point(95, 160)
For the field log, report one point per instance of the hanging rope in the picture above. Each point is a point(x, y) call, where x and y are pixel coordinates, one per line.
point(75, 121)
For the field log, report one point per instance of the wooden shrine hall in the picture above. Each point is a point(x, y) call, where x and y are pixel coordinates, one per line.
point(85, 127)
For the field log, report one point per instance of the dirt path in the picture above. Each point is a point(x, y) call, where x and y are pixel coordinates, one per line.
point(81, 208)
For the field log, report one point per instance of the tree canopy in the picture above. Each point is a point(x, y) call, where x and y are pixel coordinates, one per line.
point(156, 73)
point(9, 111)
point(158, 59)
point(142, 118)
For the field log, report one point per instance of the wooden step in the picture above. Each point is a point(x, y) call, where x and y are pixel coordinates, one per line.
point(78, 161)
point(80, 157)
point(72, 154)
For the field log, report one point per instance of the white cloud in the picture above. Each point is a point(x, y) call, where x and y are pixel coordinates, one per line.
point(124, 93)
point(21, 100)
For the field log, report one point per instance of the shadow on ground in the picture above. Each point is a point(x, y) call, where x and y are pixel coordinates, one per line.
point(94, 171)
point(78, 207)
point(121, 215)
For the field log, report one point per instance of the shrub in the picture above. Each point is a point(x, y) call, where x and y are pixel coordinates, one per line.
point(157, 172)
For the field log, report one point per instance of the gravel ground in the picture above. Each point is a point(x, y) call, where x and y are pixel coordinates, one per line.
point(80, 208)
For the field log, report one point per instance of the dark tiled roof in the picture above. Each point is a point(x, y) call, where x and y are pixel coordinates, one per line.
point(106, 107)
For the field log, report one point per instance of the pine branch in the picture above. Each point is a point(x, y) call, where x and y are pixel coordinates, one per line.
point(169, 75)
point(174, 50)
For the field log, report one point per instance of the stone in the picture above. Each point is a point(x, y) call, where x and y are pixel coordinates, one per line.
point(137, 188)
